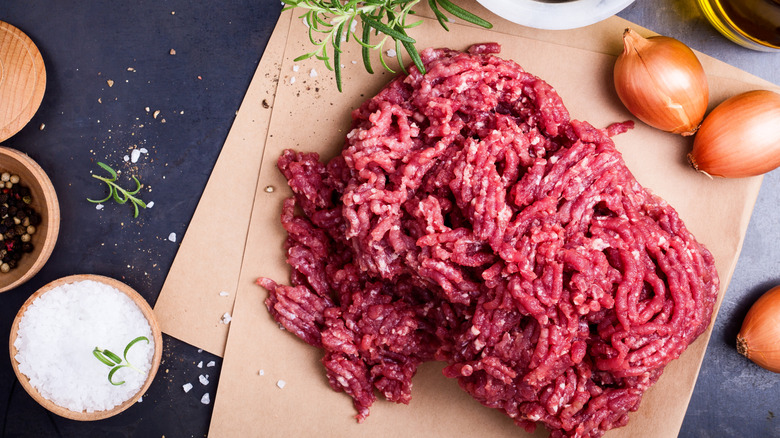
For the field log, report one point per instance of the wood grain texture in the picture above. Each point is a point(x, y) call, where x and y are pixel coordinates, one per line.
point(96, 415)
point(22, 80)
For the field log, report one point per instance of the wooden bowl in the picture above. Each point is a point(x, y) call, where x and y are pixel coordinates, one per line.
point(22, 80)
point(44, 201)
point(97, 415)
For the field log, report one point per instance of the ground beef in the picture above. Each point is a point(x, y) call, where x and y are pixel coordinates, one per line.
point(469, 220)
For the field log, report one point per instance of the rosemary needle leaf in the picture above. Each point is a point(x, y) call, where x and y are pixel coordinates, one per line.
point(366, 45)
point(415, 56)
point(337, 55)
point(386, 30)
point(463, 14)
point(108, 169)
point(112, 356)
point(99, 355)
point(111, 374)
point(133, 342)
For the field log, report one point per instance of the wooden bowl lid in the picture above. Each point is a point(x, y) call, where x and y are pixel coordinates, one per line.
point(97, 415)
point(22, 80)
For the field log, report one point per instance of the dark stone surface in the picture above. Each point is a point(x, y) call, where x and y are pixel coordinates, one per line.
point(197, 91)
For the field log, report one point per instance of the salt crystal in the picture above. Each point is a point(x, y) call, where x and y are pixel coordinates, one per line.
point(292, 80)
point(261, 372)
point(186, 387)
point(140, 399)
point(225, 318)
point(150, 204)
point(391, 53)
point(223, 294)
point(313, 73)
point(200, 350)
point(99, 207)
point(126, 158)
point(204, 380)
point(56, 338)
point(135, 155)
point(205, 399)
point(200, 364)
point(172, 237)
point(295, 68)
point(144, 150)
point(354, 62)
point(211, 364)
point(281, 384)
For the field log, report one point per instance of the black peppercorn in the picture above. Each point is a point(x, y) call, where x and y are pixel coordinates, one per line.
point(18, 221)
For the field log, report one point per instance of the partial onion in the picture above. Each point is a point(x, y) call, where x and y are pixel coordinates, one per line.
point(740, 137)
point(759, 338)
point(661, 82)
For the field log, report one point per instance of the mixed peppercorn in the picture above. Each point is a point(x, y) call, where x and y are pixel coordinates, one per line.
point(18, 221)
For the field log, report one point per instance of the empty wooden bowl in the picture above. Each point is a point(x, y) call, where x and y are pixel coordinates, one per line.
point(44, 202)
point(96, 415)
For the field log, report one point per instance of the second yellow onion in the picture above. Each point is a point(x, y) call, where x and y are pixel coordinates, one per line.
point(661, 82)
point(740, 137)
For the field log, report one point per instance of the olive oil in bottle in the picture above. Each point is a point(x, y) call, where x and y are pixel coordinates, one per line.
point(754, 24)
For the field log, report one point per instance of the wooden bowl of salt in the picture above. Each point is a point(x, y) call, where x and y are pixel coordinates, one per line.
point(85, 347)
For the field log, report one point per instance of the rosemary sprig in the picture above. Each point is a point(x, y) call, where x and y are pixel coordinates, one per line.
point(332, 22)
point(119, 194)
point(115, 362)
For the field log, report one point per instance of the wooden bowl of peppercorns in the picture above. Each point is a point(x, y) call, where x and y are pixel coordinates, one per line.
point(29, 218)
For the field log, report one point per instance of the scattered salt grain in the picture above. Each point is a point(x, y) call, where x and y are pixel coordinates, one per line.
point(126, 158)
point(313, 73)
point(205, 399)
point(186, 387)
point(261, 372)
point(292, 80)
point(140, 399)
point(204, 380)
point(200, 350)
point(135, 154)
point(225, 318)
point(99, 207)
point(295, 68)
point(223, 294)
point(144, 150)
point(211, 364)
point(391, 53)
point(354, 62)
point(172, 237)
point(200, 364)
point(56, 337)
point(150, 204)
point(281, 384)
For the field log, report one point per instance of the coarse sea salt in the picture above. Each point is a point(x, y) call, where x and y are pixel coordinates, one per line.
point(58, 332)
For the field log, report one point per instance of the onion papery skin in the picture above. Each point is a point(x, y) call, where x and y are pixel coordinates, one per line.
point(740, 137)
point(661, 82)
point(759, 337)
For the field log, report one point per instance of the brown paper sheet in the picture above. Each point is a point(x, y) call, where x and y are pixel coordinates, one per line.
point(190, 305)
point(259, 356)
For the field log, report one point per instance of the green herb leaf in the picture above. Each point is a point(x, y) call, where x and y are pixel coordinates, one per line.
point(99, 355)
point(133, 342)
point(117, 193)
point(115, 362)
point(327, 19)
point(111, 375)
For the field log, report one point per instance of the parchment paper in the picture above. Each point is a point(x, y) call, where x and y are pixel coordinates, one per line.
point(308, 114)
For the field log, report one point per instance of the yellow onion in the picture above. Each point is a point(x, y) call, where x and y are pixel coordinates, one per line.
point(661, 82)
point(759, 338)
point(740, 137)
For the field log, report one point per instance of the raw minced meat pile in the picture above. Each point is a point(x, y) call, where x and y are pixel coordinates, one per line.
point(469, 220)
